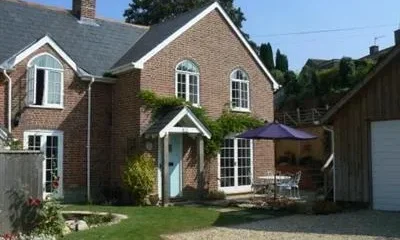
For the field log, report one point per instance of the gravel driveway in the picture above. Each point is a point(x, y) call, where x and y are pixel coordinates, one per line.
point(354, 225)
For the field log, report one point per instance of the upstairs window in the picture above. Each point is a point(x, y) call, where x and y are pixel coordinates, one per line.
point(187, 82)
point(45, 81)
point(240, 99)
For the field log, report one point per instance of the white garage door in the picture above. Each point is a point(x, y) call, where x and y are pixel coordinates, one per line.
point(385, 143)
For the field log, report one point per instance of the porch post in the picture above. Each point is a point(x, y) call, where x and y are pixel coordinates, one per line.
point(200, 153)
point(165, 172)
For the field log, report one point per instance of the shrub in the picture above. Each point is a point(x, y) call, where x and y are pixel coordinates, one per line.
point(216, 195)
point(96, 219)
point(154, 199)
point(139, 176)
point(325, 207)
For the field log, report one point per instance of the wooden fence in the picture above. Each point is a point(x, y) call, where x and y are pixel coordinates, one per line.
point(20, 178)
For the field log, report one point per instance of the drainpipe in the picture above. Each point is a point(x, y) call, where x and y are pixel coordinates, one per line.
point(9, 80)
point(334, 159)
point(88, 146)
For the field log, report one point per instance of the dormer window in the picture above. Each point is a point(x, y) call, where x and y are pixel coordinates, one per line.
point(45, 82)
point(187, 82)
point(240, 97)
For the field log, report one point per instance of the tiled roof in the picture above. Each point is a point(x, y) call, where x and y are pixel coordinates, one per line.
point(95, 49)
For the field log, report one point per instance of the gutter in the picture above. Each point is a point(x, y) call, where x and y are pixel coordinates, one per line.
point(88, 146)
point(9, 80)
point(334, 159)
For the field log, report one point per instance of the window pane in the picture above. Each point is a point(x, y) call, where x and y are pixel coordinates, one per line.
point(235, 94)
point(54, 87)
point(40, 75)
point(244, 162)
point(193, 89)
point(227, 164)
point(181, 86)
point(187, 66)
point(34, 143)
point(46, 61)
point(51, 162)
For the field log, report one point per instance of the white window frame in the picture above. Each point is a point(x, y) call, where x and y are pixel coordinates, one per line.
point(43, 134)
point(187, 78)
point(236, 188)
point(46, 84)
point(240, 81)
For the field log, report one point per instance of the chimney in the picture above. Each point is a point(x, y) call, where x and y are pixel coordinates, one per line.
point(373, 50)
point(84, 9)
point(397, 37)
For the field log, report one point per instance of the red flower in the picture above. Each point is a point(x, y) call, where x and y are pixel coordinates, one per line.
point(55, 182)
point(8, 236)
point(34, 202)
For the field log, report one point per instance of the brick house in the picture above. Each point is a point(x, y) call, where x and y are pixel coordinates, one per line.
point(57, 96)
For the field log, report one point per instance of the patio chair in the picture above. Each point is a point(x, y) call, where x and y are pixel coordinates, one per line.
point(294, 184)
point(284, 184)
point(258, 186)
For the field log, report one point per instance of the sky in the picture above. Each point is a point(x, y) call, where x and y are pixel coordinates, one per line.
point(280, 22)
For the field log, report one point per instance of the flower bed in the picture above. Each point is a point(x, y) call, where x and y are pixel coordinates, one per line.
point(83, 220)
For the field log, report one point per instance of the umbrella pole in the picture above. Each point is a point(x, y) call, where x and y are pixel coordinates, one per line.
point(275, 188)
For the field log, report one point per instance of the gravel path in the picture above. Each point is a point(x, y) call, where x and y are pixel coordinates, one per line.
point(357, 225)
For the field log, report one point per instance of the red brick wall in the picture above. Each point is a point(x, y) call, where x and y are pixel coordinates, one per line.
point(84, 8)
point(126, 121)
point(72, 120)
point(217, 51)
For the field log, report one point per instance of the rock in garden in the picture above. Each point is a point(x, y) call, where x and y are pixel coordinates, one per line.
point(82, 225)
point(71, 224)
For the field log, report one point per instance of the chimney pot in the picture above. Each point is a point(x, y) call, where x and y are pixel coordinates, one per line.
point(373, 50)
point(397, 37)
point(84, 9)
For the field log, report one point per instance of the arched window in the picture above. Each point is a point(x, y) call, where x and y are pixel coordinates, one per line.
point(187, 82)
point(240, 97)
point(45, 81)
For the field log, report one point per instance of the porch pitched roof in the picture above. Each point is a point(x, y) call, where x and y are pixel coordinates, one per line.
point(166, 123)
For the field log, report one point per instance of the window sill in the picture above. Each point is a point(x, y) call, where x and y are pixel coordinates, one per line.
point(46, 107)
point(240, 110)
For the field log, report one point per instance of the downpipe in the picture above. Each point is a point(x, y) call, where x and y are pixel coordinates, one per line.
point(88, 146)
point(9, 80)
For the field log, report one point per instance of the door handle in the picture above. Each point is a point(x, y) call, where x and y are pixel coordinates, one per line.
point(171, 164)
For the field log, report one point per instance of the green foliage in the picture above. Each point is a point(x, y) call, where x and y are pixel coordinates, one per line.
point(14, 144)
point(325, 86)
point(149, 12)
point(139, 176)
point(216, 195)
point(278, 75)
point(226, 124)
point(267, 56)
point(281, 62)
point(49, 220)
point(97, 219)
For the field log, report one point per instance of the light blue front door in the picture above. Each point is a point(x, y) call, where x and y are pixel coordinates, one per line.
point(175, 157)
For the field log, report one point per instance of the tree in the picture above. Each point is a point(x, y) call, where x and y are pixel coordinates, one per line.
point(149, 12)
point(347, 71)
point(281, 62)
point(267, 56)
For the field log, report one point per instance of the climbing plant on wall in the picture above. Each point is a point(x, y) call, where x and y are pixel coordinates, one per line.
point(229, 122)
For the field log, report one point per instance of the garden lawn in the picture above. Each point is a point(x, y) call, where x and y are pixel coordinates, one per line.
point(151, 222)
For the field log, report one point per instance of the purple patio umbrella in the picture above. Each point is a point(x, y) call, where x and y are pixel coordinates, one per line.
point(276, 131)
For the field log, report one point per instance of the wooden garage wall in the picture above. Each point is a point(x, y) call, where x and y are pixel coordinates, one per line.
point(379, 100)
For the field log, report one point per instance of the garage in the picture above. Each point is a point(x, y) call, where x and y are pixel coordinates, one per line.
point(385, 157)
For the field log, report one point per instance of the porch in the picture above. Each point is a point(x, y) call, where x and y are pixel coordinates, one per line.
point(179, 134)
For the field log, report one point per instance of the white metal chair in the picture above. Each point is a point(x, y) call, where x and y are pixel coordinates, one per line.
point(284, 184)
point(294, 184)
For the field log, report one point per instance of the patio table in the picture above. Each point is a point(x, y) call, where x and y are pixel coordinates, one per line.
point(279, 177)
